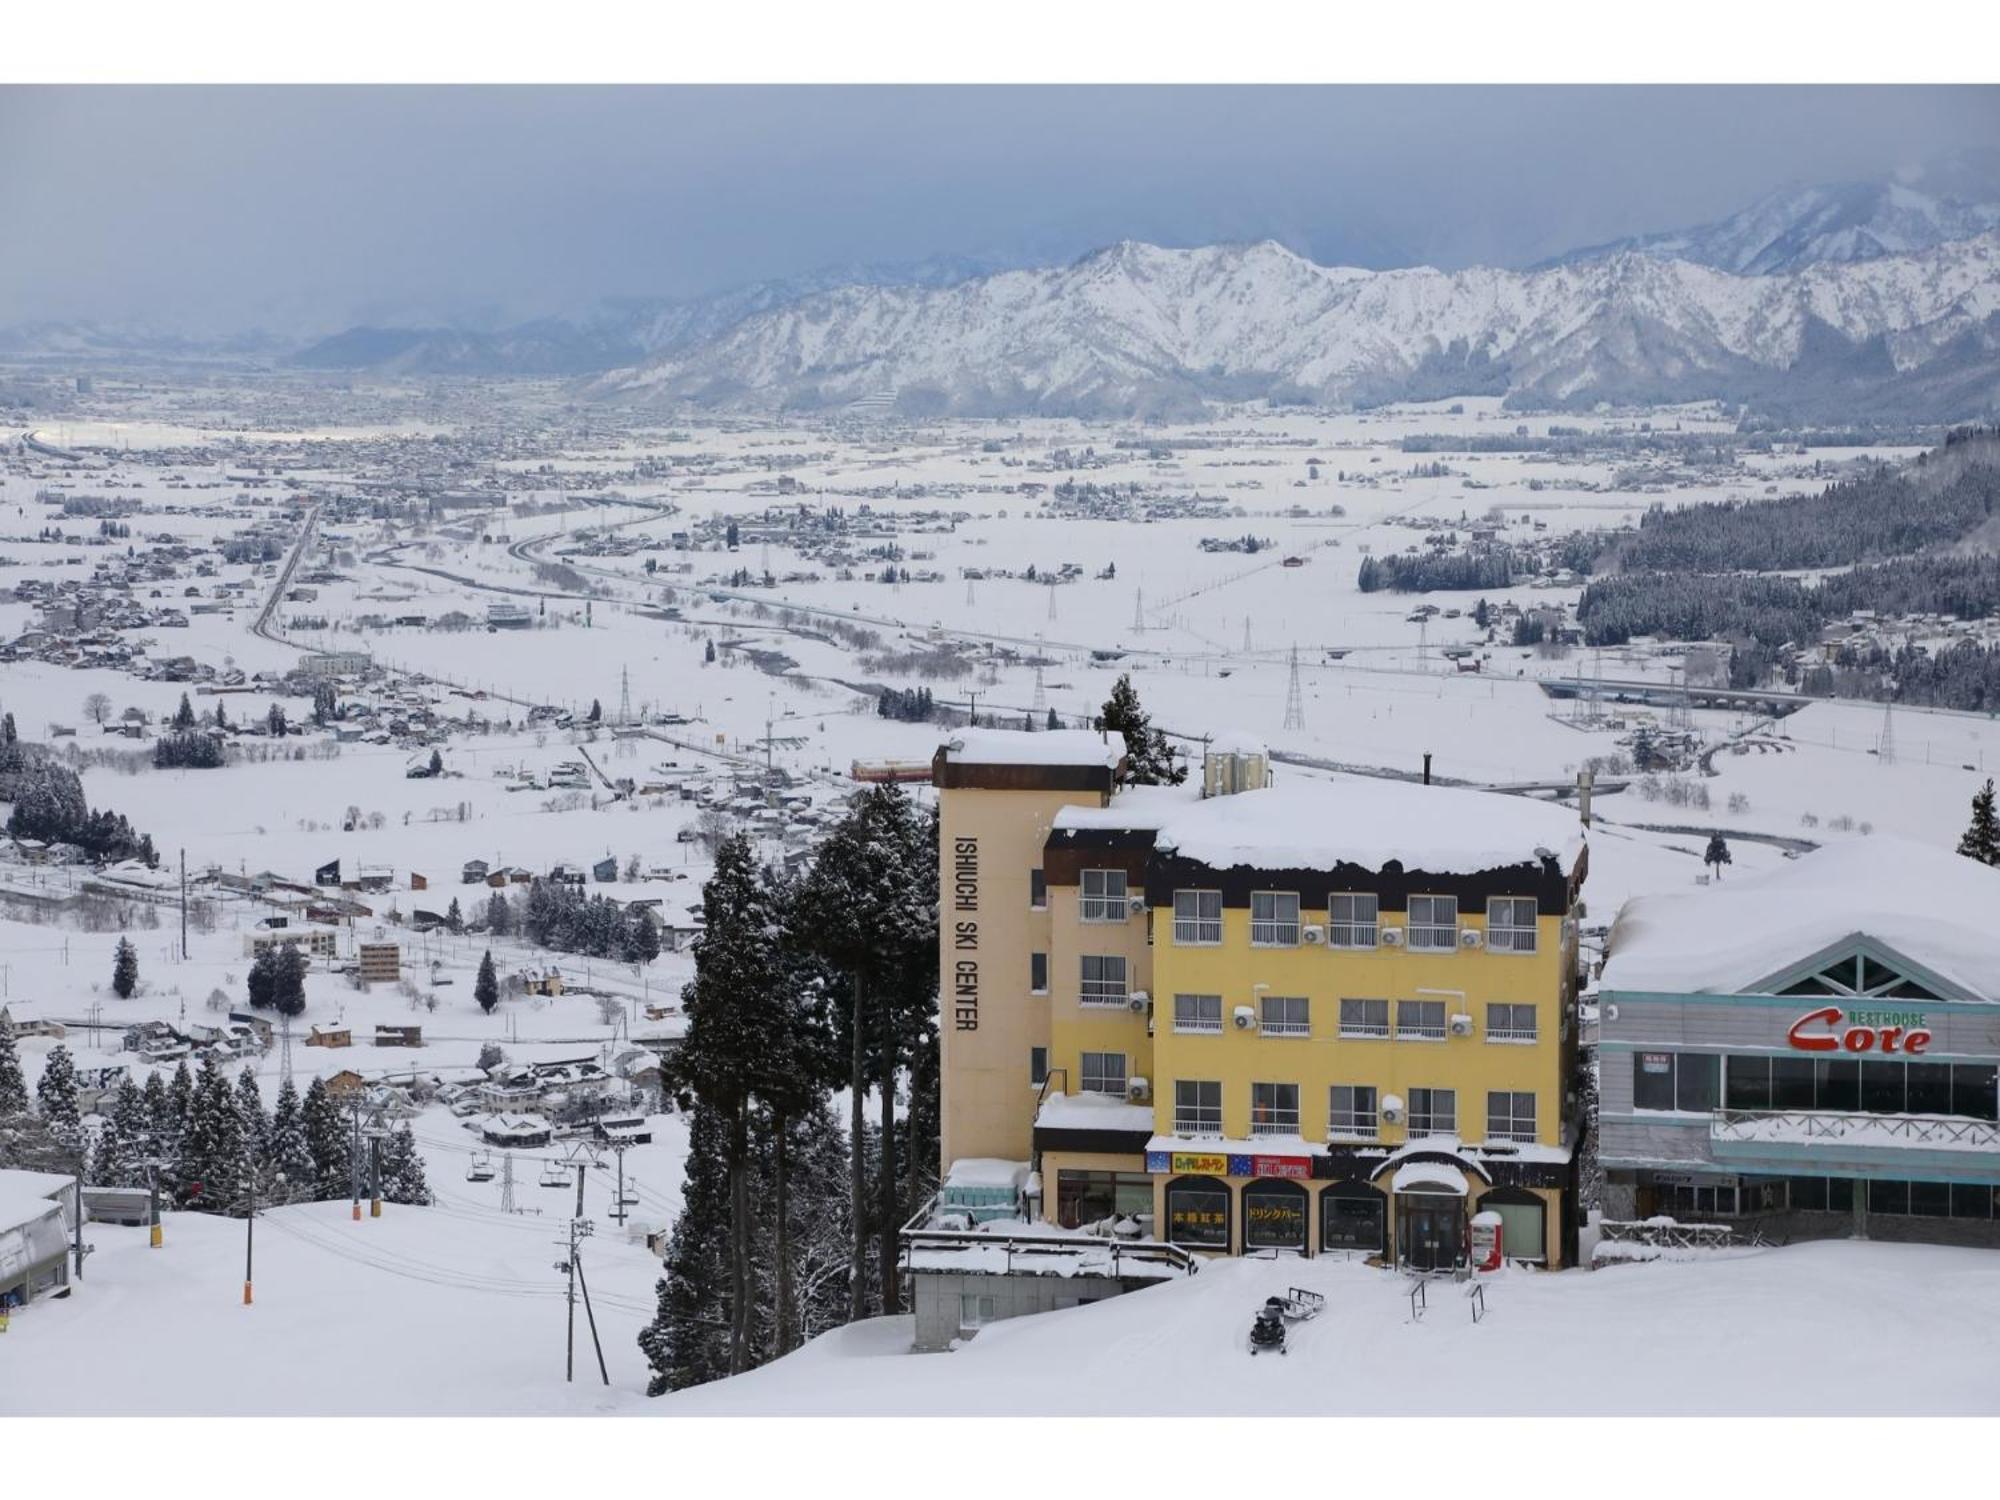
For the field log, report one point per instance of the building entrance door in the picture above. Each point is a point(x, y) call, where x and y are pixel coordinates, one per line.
point(1430, 1230)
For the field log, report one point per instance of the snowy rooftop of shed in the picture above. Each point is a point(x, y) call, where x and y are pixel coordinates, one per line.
point(1135, 807)
point(1315, 825)
point(1936, 908)
point(1018, 747)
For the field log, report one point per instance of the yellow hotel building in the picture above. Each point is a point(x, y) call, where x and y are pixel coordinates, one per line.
point(1234, 1016)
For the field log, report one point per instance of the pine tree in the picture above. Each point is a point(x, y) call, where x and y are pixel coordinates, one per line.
point(687, 1343)
point(328, 1140)
point(55, 1099)
point(13, 1083)
point(1148, 759)
point(499, 915)
point(596, 712)
point(486, 988)
point(250, 1110)
point(212, 1161)
point(1982, 837)
point(285, 1146)
point(403, 1178)
point(133, 1122)
point(454, 919)
point(642, 938)
point(263, 979)
point(1054, 722)
point(125, 970)
point(436, 766)
point(163, 1134)
point(184, 716)
point(288, 980)
point(221, 718)
point(275, 722)
point(1717, 854)
point(112, 1157)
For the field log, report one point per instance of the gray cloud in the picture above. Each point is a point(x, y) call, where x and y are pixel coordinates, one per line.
point(312, 207)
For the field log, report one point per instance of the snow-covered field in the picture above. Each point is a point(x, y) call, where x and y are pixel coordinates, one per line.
point(450, 1309)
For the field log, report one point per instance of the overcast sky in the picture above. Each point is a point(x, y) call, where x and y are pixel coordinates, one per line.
point(307, 208)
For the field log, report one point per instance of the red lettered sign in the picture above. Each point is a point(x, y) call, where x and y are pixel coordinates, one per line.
point(1830, 1029)
point(1299, 1167)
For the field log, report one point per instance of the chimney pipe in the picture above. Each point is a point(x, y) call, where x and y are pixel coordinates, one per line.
point(1427, 768)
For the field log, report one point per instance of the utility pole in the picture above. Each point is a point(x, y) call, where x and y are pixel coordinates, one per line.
point(354, 1159)
point(375, 1174)
point(155, 1235)
point(184, 905)
point(80, 1250)
point(249, 1237)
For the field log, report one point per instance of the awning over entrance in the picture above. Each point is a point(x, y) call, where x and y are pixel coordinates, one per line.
point(1428, 1177)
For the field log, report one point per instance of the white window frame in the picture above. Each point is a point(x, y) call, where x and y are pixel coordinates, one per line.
point(1431, 1114)
point(1364, 1030)
point(1507, 1029)
point(1084, 1072)
point(1355, 1123)
point(1100, 905)
point(1346, 928)
point(1513, 1129)
point(976, 1310)
point(1197, 1118)
point(1417, 1028)
point(1193, 1021)
point(1275, 1017)
point(1283, 1121)
point(1102, 995)
point(1424, 935)
point(1274, 929)
point(1190, 928)
point(1509, 936)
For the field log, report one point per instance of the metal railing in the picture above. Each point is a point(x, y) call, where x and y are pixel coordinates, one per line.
point(1276, 1127)
point(1666, 1233)
point(1753, 1125)
point(1041, 1249)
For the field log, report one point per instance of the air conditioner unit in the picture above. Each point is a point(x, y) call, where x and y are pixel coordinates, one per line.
point(1461, 1026)
point(1472, 937)
point(1136, 1002)
point(1392, 1110)
point(1137, 1089)
point(1391, 937)
point(1136, 905)
point(1312, 935)
point(1244, 1018)
point(1142, 997)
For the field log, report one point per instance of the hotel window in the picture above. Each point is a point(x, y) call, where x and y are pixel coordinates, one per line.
point(1197, 1012)
point(1274, 1109)
point(1197, 917)
point(1364, 1018)
point(1286, 1015)
point(1197, 1107)
point(1510, 924)
point(1038, 973)
point(1103, 981)
point(1102, 1073)
point(1420, 1020)
point(1433, 1112)
point(1103, 896)
point(974, 1310)
point(1350, 1111)
point(1350, 921)
point(1510, 1023)
point(1086, 1197)
point(1038, 1066)
point(1510, 1116)
point(1274, 919)
point(1685, 1081)
point(1038, 890)
point(1433, 922)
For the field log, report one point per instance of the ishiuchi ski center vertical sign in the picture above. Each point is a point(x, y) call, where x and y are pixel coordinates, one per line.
point(965, 934)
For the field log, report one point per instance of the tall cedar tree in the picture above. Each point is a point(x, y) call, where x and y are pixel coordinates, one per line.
point(125, 970)
point(328, 1139)
point(285, 1146)
point(1148, 760)
point(869, 910)
point(250, 1110)
point(13, 1083)
point(687, 1343)
point(55, 1099)
point(212, 1158)
point(403, 1178)
point(263, 979)
point(288, 980)
point(1982, 837)
point(486, 988)
point(1717, 854)
point(733, 1052)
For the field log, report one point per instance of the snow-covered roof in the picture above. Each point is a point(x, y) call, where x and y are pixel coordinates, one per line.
point(1018, 747)
point(986, 1172)
point(1316, 825)
point(1237, 742)
point(1427, 1174)
point(1134, 807)
point(1093, 1112)
point(1937, 908)
point(20, 1206)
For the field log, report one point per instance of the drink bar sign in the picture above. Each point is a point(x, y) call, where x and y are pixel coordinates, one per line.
point(965, 934)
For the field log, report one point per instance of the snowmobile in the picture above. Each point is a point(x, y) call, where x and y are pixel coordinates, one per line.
point(1267, 1330)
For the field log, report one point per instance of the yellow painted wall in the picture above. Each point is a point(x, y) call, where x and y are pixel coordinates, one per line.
point(1076, 1028)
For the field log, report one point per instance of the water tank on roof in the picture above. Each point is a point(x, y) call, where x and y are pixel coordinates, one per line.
point(1234, 763)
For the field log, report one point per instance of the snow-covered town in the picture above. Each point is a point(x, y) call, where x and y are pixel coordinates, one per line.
point(1199, 831)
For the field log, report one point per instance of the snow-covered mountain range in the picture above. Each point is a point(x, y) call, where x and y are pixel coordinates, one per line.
point(1137, 329)
point(1797, 227)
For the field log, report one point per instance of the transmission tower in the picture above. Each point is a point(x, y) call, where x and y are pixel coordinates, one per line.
point(1246, 635)
point(1040, 706)
point(1885, 743)
point(624, 695)
point(1139, 610)
point(1295, 706)
point(507, 1183)
point(285, 1051)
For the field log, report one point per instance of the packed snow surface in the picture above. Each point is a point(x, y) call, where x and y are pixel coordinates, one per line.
point(1938, 908)
point(1318, 825)
point(1656, 1339)
point(1016, 747)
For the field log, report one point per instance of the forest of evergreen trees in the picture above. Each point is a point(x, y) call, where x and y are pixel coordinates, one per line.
point(1420, 573)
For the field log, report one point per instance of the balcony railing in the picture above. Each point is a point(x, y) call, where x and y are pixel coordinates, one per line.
point(1778, 1126)
point(1110, 999)
point(1278, 1126)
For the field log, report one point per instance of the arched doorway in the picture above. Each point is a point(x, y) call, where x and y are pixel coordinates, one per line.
point(1198, 1213)
point(1274, 1215)
point(1354, 1216)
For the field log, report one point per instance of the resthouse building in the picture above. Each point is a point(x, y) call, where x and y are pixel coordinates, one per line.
point(1811, 1052)
point(1234, 1016)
